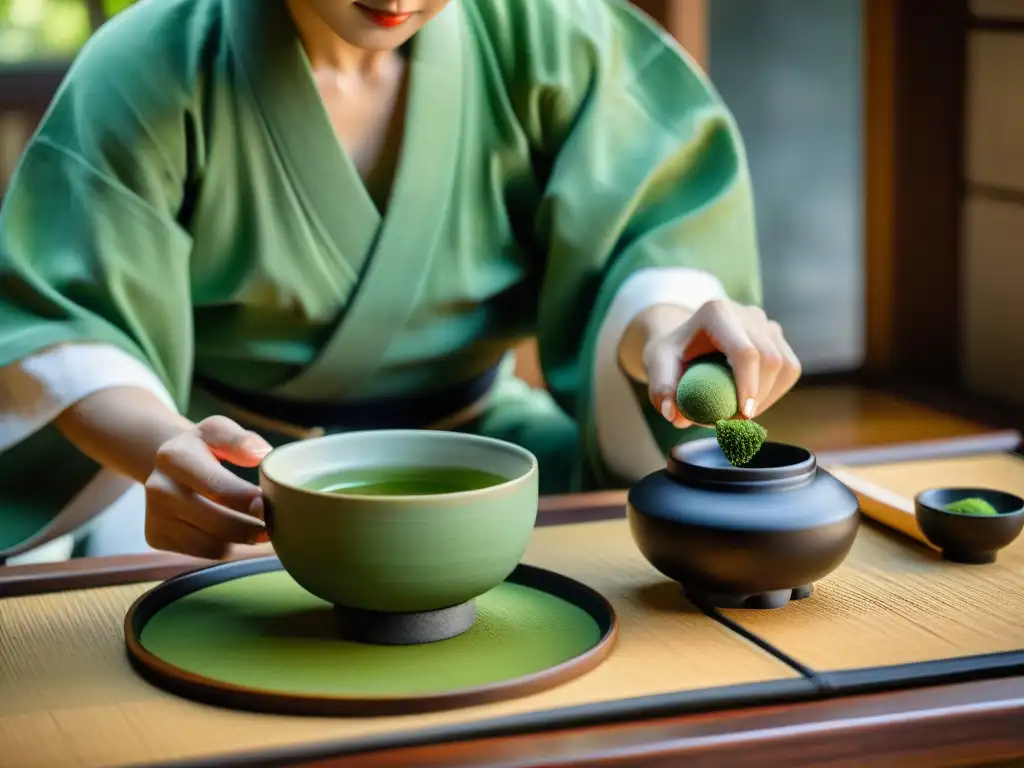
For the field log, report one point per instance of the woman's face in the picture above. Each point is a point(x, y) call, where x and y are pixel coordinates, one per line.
point(376, 25)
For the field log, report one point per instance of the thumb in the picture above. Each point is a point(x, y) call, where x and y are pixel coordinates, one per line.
point(663, 368)
point(230, 442)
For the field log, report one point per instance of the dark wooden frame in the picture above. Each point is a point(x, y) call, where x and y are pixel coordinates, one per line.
point(915, 185)
point(914, 55)
point(972, 724)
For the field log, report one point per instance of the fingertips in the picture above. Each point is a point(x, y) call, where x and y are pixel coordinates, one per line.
point(668, 409)
point(171, 504)
point(255, 446)
point(248, 451)
point(229, 441)
point(256, 508)
point(666, 406)
point(782, 365)
point(727, 330)
point(193, 466)
point(745, 368)
point(749, 408)
point(663, 368)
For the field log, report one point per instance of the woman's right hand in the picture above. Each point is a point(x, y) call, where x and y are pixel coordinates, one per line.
point(194, 505)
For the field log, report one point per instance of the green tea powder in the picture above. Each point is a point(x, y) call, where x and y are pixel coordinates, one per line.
point(740, 440)
point(972, 506)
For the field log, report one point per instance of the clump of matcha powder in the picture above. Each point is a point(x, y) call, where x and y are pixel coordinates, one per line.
point(707, 395)
point(972, 506)
point(740, 440)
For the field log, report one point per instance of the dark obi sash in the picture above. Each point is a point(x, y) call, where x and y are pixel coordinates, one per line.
point(405, 412)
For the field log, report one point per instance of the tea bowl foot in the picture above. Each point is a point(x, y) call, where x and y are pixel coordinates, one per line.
point(778, 598)
point(964, 557)
point(376, 628)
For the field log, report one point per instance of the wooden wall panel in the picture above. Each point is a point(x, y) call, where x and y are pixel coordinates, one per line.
point(879, 183)
point(993, 303)
point(997, 9)
point(992, 255)
point(995, 110)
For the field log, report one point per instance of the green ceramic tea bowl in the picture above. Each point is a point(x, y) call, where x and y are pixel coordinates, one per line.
point(399, 521)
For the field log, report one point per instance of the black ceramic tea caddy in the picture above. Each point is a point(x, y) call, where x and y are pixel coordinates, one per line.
point(755, 536)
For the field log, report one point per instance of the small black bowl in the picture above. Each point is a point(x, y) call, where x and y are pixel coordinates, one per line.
point(969, 539)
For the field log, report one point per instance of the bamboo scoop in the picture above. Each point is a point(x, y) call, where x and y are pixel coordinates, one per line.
point(882, 505)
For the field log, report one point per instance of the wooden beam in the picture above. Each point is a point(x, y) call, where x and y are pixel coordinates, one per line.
point(687, 21)
point(879, 43)
point(914, 91)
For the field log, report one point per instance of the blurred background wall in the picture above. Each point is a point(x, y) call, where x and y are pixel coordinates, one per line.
point(791, 72)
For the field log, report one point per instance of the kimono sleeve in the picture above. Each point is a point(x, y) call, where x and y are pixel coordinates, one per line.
point(90, 246)
point(646, 200)
point(91, 253)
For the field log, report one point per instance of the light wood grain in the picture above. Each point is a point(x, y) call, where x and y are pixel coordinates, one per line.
point(69, 697)
point(894, 602)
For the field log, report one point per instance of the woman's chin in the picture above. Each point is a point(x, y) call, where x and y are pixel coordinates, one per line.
point(370, 37)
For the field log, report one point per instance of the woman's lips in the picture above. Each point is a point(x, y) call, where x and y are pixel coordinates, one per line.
point(384, 18)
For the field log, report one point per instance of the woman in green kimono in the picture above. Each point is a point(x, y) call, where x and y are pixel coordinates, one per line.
point(251, 221)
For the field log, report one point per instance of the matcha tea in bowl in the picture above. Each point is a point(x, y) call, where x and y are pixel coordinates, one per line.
point(400, 530)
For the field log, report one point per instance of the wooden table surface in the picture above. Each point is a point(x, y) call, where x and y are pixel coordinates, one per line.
point(976, 723)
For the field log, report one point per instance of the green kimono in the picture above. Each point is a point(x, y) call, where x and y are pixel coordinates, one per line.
point(186, 201)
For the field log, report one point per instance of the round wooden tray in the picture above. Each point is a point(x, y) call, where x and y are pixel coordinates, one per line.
point(244, 635)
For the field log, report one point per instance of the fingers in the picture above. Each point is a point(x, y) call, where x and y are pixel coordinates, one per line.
point(187, 460)
point(789, 370)
point(664, 367)
point(725, 327)
point(764, 365)
point(196, 506)
point(770, 359)
point(176, 515)
point(181, 538)
point(229, 441)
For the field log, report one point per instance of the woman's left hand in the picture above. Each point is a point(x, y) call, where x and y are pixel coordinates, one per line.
point(764, 365)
